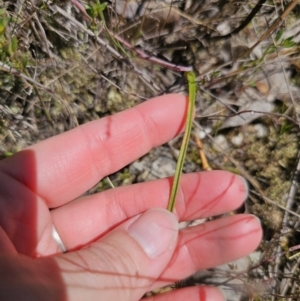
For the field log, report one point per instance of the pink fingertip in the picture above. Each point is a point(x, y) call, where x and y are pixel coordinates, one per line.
point(243, 187)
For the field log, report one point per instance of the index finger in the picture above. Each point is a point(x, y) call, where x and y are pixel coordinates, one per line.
point(67, 165)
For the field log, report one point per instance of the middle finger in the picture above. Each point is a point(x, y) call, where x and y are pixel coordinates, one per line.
point(86, 219)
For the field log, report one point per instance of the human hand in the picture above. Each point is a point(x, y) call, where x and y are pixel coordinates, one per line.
point(118, 248)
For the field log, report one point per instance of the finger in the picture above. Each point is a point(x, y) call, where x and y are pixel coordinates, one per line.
point(6, 246)
point(211, 244)
point(24, 217)
point(198, 293)
point(124, 264)
point(64, 167)
point(84, 220)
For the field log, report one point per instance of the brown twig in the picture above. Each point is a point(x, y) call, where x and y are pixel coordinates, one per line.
point(205, 164)
point(252, 14)
point(277, 23)
point(115, 53)
point(151, 58)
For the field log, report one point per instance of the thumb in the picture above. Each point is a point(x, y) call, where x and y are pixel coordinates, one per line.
point(125, 263)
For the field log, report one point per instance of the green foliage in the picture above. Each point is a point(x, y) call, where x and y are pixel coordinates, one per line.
point(125, 174)
point(24, 60)
point(8, 154)
point(6, 46)
point(9, 52)
point(10, 47)
point(3, 21)
point(95, 10)
point(215, 74)
point(279, 35)
point(288, 43)
point(285, 127)
point(271, 49)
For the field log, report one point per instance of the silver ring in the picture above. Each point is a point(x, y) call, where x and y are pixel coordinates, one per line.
point(58, 240)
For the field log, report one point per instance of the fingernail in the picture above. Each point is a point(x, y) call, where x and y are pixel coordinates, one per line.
point(244, 187)
point(256, 218)
point(155, 231)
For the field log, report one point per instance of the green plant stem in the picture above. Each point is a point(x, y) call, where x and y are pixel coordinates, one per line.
point(191, 77)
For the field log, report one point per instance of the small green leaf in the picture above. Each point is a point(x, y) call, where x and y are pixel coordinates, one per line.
point(102, 6)
point(287, 43)
point(279, 35)
point(3, 23)
point(14, 44)
point(270, 49)
point(24, 61)
point(88, 9)
point(8, 154)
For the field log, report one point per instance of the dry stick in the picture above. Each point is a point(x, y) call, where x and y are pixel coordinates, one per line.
point(222, 102)
point(122, 89)
point(286, 284)
point(151, 58)
point(141, 54)
point(35, 17)
point(279, 20)
point(277, 23)
point(244, 173)
point(255, 266)
point(74, 67)
point(289, 204)
point(187, 16)
point(294, 189)
point(45, 40)
point(265, 35)
point(165, 20)
point(292, 194)
point(238, 71)
point(25, 71)
point(252, 14)
point(287, 84)
point(17, 73)
point(116, 54)
point(94, 70)
point(261, 112)
point(285, 209)
point(290, 92)
point(205, 164)
point(255, 184)
point(212, 82)
point(82, 9)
